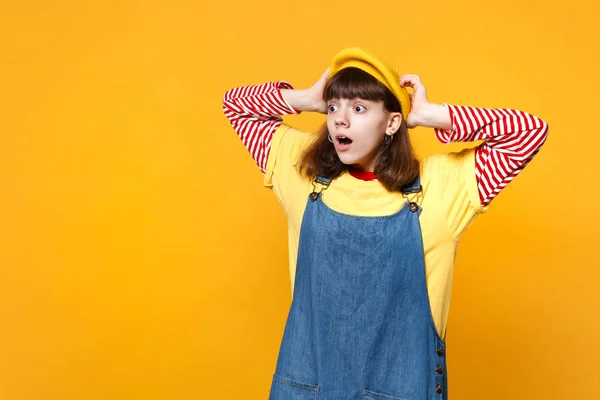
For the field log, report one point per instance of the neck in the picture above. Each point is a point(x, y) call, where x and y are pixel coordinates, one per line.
point(360, 174)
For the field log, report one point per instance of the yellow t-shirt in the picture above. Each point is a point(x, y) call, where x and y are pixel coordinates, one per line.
point(450, 203)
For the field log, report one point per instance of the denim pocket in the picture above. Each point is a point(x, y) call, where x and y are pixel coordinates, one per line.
point(368, 394)
point(285, 388)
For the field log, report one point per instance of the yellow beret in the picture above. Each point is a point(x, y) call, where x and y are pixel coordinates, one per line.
point(376, 67)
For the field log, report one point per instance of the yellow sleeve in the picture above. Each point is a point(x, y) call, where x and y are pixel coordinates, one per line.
point(281, 174)
point(454, 172)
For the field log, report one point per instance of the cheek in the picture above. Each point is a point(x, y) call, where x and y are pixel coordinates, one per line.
point(370, 128)
point(381, 124)
point(330, 124)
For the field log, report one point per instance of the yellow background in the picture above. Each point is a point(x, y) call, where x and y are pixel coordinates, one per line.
point(141, 257)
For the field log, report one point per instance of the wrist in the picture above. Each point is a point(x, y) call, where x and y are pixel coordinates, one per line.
point(434, 116)
point(300, 99)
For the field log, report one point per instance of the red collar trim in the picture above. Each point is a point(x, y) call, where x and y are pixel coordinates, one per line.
point(362, 175)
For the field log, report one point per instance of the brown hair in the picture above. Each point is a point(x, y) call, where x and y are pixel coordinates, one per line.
point(396, 164)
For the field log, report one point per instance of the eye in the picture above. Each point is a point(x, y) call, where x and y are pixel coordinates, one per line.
point(331, 108)
point(359, 108)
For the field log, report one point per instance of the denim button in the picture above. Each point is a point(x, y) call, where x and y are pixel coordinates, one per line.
point(439, 369)
point(439, 388)
point(413, 206)
point(440, 351)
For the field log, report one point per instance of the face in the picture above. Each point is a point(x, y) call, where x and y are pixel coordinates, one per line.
point(357, 128)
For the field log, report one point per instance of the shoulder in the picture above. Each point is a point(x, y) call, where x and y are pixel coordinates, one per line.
point(287, 146)
point(453, 176)
point(450, 160)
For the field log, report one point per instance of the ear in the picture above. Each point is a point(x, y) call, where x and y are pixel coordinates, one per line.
point(394, 122)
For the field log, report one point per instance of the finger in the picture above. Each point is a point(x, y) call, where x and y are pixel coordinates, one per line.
point(411, 75)
point(324, 75)
point(409, 81)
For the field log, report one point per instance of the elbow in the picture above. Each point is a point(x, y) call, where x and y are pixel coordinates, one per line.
point(225, 109)
point(538, 138)
point(539, 130)
point(226, 103)
point(544, 129)
point(228, 95)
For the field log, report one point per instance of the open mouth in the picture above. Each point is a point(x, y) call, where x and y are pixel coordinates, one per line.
point(344, 140)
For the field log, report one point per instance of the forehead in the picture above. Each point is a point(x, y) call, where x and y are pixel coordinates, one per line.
point(354, 100)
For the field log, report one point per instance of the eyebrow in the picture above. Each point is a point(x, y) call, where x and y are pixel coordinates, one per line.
point(355, 99)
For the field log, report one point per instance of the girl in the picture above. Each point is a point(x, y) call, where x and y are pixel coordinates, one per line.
point(373, 232)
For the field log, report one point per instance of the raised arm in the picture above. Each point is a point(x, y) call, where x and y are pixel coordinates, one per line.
point(255, 111)
point(511, 137)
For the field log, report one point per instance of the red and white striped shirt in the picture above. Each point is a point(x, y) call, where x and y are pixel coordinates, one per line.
point(511, 137)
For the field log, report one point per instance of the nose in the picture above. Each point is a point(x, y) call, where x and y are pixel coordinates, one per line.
point(341, 119)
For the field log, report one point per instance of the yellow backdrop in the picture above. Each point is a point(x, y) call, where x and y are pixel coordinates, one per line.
point(141, 257)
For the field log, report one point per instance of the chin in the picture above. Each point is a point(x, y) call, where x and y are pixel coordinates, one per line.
point(347, 160)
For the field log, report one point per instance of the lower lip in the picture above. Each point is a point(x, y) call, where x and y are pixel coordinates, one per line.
point(343, 147)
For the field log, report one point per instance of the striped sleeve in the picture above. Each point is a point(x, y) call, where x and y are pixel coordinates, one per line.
point(255, 113)
point(511, 139)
